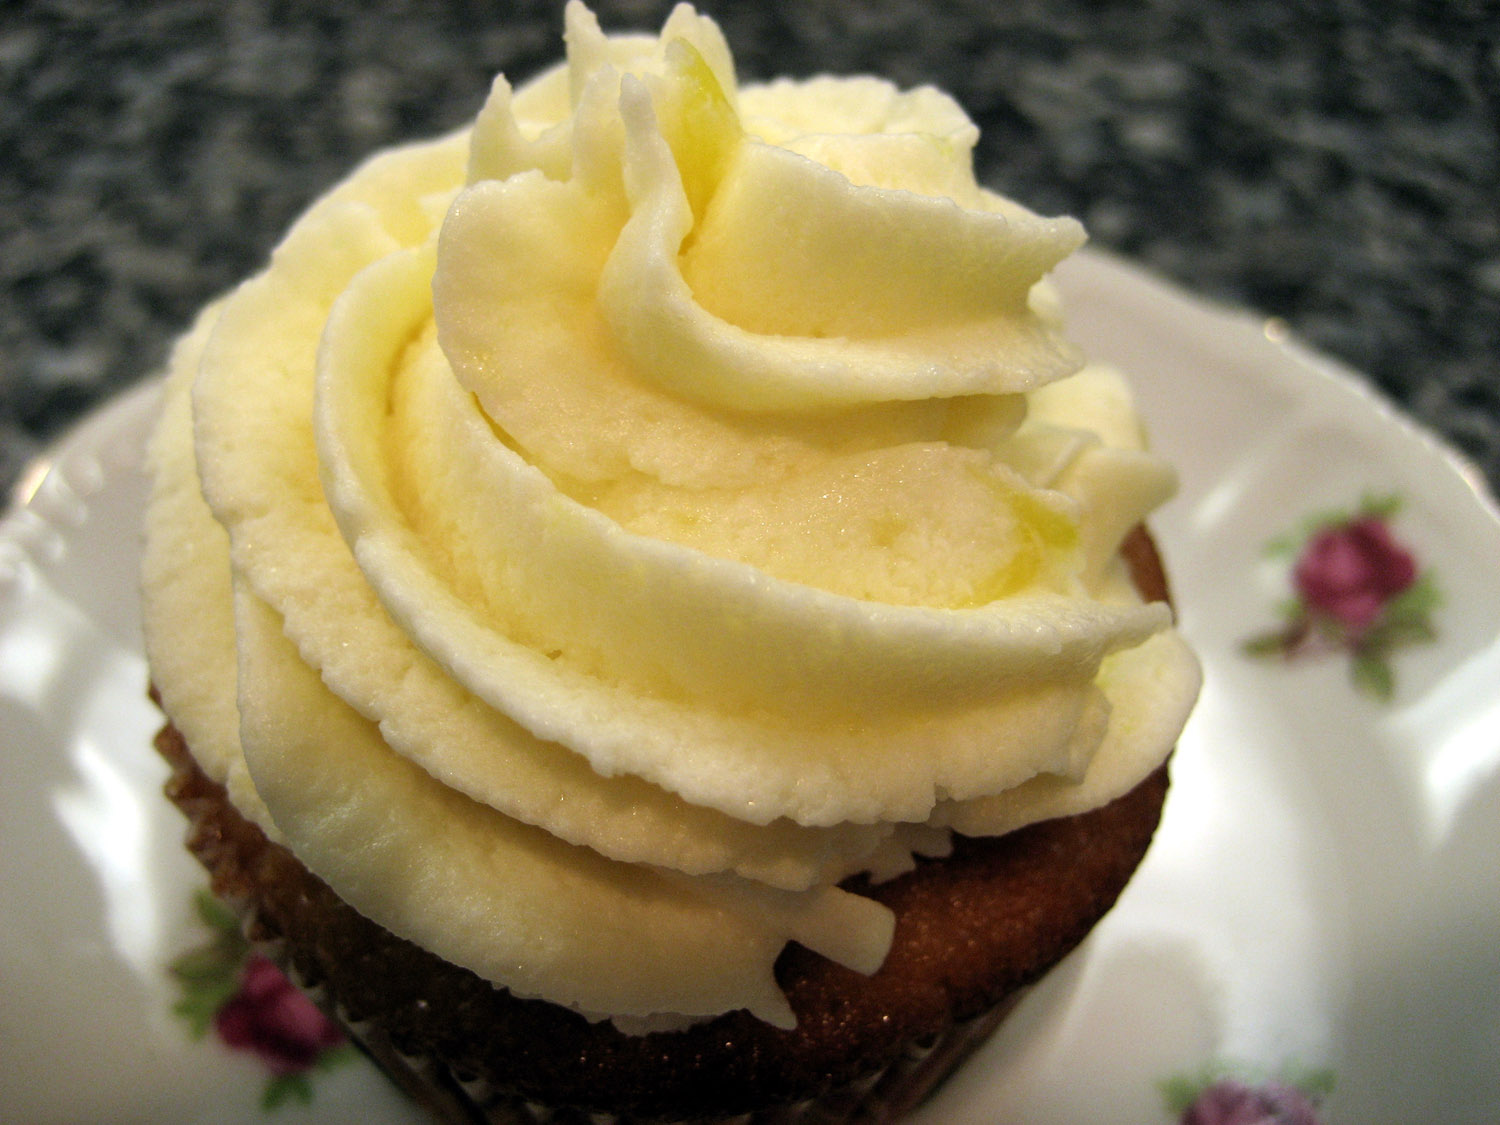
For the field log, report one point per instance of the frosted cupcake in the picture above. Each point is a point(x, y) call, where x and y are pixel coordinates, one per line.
point(651, 611)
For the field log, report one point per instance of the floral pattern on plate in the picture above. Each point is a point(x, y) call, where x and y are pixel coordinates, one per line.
point(250, 1005)
point(1226, 1095)
point(1357, 589)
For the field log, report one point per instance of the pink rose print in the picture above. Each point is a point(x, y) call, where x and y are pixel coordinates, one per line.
point(271, 1019)
point(1228, 1102)
point(1357, 590)
point(1216, 1096)
point(250, 1005)
point(1349, 572)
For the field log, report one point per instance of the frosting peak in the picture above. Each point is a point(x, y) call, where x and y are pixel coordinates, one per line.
point(814, 272)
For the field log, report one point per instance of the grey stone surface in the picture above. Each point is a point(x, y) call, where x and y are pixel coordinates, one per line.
point(1336, 163)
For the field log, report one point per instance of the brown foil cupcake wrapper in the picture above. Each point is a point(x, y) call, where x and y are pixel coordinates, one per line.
point(880, 1098)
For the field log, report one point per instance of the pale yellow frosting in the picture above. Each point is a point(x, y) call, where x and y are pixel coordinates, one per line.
point(598, 533)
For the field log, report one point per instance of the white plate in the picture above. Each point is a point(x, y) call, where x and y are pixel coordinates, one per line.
point(1323, 894)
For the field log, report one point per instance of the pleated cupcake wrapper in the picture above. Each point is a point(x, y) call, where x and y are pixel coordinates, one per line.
point(876, 1099)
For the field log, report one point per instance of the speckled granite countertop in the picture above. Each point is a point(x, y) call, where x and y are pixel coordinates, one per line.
point(1335, 163)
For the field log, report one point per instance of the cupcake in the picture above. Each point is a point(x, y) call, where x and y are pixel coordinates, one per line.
point(652, 614)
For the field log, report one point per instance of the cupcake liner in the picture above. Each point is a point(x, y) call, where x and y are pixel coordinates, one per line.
point(877, 1099)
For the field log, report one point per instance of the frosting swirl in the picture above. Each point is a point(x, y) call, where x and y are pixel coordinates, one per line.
point(621, 521)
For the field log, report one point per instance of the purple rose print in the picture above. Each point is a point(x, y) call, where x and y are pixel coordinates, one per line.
point(1349, 572)
point(1228, 1102)
point(1216, 1096)
point(269, 1018)
point(1357, 590)
point(250, 1005)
